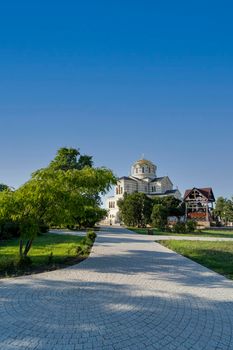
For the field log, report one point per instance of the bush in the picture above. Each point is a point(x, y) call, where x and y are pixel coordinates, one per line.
point(191, 226)
point(79, 250)
point(8, 265)
point(180, 227)
point(168, 229)
point(91, 235)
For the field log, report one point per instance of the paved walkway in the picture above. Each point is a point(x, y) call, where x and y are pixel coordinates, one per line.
point(131, 293)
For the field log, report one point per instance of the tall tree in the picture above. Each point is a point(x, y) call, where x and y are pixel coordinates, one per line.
point(159, 216)
point(224, 209)
point(70, 158)
point(174, 206)
point(135, 209)
point(4, 187)
point(219, 207)
point(57, 195)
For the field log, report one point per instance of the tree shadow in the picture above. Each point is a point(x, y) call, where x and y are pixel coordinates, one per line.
point(133, 296)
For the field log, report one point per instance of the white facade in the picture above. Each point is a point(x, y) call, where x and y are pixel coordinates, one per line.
point(143, 179)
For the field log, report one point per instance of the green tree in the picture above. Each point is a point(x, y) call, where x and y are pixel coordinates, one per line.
point(159, 216)
point(60, 197)
point(4, 187)
point(135, 209)
point(70, 158)
point(228, 211)
point(89, 216)
point(57, 195)
point(224, 209)
point(174, 206)
point(220, 206)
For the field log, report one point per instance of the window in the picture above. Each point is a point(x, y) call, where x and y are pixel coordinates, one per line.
point(136, 170)
point(143, 170)
point(111, 205)
point(118, 189)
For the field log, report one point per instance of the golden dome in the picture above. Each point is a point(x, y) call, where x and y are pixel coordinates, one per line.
point(143, 162)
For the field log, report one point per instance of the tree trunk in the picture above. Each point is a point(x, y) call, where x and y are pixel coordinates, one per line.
point(27, 247)
point(21, 248)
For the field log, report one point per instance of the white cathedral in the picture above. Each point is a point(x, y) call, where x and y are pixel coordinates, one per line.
point(143, 179)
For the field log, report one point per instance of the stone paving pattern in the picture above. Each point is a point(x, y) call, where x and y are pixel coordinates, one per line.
point(131, 293)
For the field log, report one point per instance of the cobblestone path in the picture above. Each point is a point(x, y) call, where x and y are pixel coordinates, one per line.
point(132, 293)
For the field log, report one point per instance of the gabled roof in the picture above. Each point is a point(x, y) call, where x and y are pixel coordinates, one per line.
point(158, 179)
point(126, 178)
point(207, 192)
point(171, 191)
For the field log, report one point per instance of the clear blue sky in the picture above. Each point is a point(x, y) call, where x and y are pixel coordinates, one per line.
point(118, 79)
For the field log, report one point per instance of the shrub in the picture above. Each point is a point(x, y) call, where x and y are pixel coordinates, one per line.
point(91, 235)
point(24, 262)
point(7, 265)
point(78, 250)
point(179, 227)
point(191, 226)
point(168, 229)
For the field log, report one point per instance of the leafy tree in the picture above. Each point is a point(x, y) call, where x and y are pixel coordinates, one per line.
point(220, 205)
point(159, 216)
point(57, 195)
point(174, 206)
point(135, 209)
point(4, 187)
point(228, 211)
point(84, 161)
point(70, 158)
point(7, 210)
point(224, 209)
point(60, 197)
point(89, 216)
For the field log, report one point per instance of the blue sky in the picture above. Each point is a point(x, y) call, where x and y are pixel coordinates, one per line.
point(118, 79)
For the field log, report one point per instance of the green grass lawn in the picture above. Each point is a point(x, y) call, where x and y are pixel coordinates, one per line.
point(204, 233)
point(62, 247)
point(217, 256)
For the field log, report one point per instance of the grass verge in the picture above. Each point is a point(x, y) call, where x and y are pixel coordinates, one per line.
point(48, 252)
point(204, 233)
point(217, 256)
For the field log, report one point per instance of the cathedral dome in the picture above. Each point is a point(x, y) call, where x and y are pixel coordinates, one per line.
point(143, 168)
